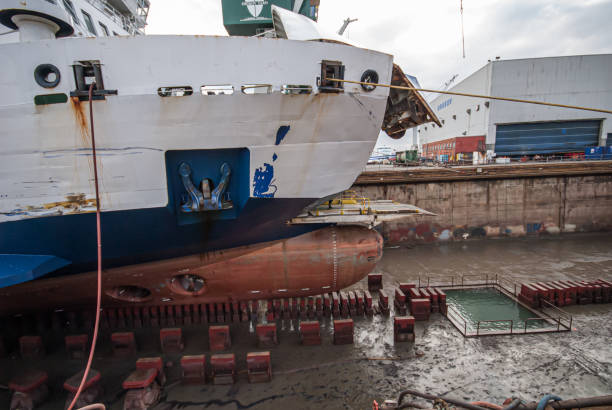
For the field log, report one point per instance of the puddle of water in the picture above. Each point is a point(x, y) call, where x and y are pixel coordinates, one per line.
point(489, 304)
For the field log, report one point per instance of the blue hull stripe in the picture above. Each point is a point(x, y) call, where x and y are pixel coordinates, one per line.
point(145, 235)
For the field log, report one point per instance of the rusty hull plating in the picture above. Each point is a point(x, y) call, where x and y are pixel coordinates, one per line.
point(320, 261)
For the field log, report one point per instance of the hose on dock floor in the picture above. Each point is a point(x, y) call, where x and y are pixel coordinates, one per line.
point(598, 401)
point(544, 401)
point(513, 404)
point(99, 244)
point(490, 97)
point(428, 396)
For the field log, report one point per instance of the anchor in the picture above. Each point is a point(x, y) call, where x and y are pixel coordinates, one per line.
point(201, 200)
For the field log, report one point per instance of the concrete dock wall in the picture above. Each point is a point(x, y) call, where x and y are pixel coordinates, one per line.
point(498, 207)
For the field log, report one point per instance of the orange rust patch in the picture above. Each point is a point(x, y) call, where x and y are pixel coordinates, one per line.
point(74, 201)
point(79, 116)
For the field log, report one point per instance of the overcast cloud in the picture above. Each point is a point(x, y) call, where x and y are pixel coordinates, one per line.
point(425, 36)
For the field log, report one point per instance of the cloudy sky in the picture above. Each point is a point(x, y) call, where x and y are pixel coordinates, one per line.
point(425, 36)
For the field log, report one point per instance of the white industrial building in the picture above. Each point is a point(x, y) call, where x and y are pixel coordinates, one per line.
point(517, 129)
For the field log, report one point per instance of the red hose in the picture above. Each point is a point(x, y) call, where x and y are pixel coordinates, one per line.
point(487, 405)
point(99, 240)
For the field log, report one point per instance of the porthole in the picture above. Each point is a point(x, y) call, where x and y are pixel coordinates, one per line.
point(369, 76)
point(188, 284)
point(47, 75)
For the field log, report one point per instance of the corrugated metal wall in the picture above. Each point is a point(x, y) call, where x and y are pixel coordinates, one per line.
point(546, 137)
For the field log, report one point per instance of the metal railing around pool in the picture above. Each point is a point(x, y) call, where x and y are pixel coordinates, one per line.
point(560, 321)
point(455, 281)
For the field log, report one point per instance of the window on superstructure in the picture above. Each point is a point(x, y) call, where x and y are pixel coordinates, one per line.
point(70, 9)
point(89, 23)
point(104, 29)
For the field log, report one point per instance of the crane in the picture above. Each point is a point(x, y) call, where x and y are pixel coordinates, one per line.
point(345, 25)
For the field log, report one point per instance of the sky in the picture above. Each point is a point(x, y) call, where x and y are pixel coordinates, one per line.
point(425, 36)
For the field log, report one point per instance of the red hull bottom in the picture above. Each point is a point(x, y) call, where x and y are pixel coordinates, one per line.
point(317, 262)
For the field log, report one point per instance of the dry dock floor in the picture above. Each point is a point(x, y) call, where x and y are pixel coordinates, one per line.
point(576, 364)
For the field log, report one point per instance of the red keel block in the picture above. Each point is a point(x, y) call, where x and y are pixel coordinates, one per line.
point(153, 363)
point(124, 344)
point(266, 335)
point(441, 300)
point(31, 347)
point(310, 333)
point(405, 287)
point(352, 298)
point(327, 305)
point(403, 329)
point(343, 331)
point(360, 301)
point(171, 340)
point(76, 346)
point(223, 368)
point(29, 389)
point(420, 308)
point(344, 304)
point(193, 369)
point(259, 368)
point(433, 297)
point(219, 338)
point(92, 390)
point(383, 301)
point(140, 378)
point(143, 392)
point(375, 282)
point(369, 309)
point(400, 302)
point(529, 295)
point(335, 304)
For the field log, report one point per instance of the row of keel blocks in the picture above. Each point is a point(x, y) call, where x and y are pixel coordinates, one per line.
point(565, 292)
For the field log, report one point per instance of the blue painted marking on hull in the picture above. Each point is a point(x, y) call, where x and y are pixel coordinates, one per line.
point(281, 133)
point(144, 235)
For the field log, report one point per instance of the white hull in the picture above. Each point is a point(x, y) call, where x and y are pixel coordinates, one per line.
point(45, 156)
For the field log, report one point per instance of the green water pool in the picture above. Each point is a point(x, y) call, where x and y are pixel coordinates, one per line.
point(489, 304)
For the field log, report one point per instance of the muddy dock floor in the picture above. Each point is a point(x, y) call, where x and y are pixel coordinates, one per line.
point(441, 361)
